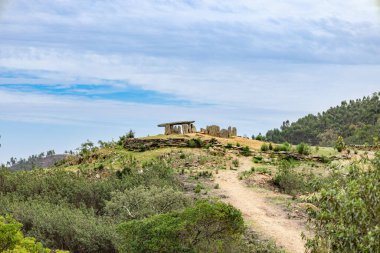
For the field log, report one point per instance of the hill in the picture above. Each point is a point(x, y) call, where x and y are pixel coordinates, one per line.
point(36, 161)
point(158, 193)
point(357, 121)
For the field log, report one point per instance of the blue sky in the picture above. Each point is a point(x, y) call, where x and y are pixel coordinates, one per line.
point(76, 70)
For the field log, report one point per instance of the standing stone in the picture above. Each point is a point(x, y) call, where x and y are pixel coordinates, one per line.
point(234, 132)
point(213, 130)
point(168, 130)
point(229, 131)
point(224, 133)
point(193, 128)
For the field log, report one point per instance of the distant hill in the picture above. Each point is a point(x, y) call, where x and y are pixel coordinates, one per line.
point(358, 121)
point(36, 161)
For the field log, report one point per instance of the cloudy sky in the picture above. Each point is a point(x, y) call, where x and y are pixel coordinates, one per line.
point(90, 69)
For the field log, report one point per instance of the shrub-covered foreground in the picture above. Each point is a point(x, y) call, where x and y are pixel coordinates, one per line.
point(348, 219)
point(140, 208)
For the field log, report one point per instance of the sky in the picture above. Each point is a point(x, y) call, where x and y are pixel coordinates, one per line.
point(90, 69)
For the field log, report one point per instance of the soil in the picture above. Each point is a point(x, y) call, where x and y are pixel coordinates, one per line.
point(270, 220)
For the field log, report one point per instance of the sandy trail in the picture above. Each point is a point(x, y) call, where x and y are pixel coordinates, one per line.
point(266, 218)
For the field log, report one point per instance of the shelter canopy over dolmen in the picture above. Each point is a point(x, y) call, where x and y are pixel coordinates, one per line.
point(179, 127)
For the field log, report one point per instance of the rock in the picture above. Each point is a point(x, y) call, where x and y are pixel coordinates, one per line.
point(193, 128)
point(140, 145)
point(232, 131)
point(224, 133)
point(213, 130)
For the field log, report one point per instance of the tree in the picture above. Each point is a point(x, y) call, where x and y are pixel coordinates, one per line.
point(12, 239)
point(356, 121)
point(129, 135)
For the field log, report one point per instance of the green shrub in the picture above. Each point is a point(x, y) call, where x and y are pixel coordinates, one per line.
point(61, 226)
point(257, 159)
point(263, 170)
point(124, 138)
point(340, 145)
point(303, 149)
point(235, 162)
point(57, 185)
point(12, 239)
point(198, 188)
point(285, 147)
point(142, 202)
point(264, 147)
point(325, 159)
point(245, 151)
point(206, 227)
point(292, 182)
point(229, 146)
point(260, 137)
point(348, 216)
point(195, 143)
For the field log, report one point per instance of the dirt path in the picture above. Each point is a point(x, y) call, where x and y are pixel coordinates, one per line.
point(267, 218)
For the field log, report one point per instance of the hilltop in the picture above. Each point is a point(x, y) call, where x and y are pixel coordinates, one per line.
point(141, 194)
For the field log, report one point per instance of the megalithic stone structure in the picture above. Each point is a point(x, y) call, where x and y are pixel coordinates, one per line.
point(180, 127)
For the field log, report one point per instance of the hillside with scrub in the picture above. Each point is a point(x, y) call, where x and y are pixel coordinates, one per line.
point(210, 194)
point(357, 121)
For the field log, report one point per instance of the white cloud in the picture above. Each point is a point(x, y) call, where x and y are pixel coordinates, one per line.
point(257, 62)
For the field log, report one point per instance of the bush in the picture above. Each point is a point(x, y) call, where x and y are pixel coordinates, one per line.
point(285, 147)
point(263, 170)
point(206, 227)
point(260, 137)
point(258, 159)
point(142, 202)
point(195, 143)
point(60, 226)
point(325, 159)
point(57, 185)
point(229, 146)
point(292, 182)
point(124, 138)
point(246, 151)
point(348, 215)
point(235, 162)
point(340, 145)
point(12, 239)
point(264, 147)
point(303, 149)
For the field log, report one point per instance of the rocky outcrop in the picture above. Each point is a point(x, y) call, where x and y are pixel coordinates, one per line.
point(140, 145)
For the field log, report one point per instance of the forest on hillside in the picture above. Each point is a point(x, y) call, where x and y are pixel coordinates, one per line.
point(357, 121)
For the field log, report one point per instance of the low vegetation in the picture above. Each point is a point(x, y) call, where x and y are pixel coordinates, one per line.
point(102, 199)
point(348, 210)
